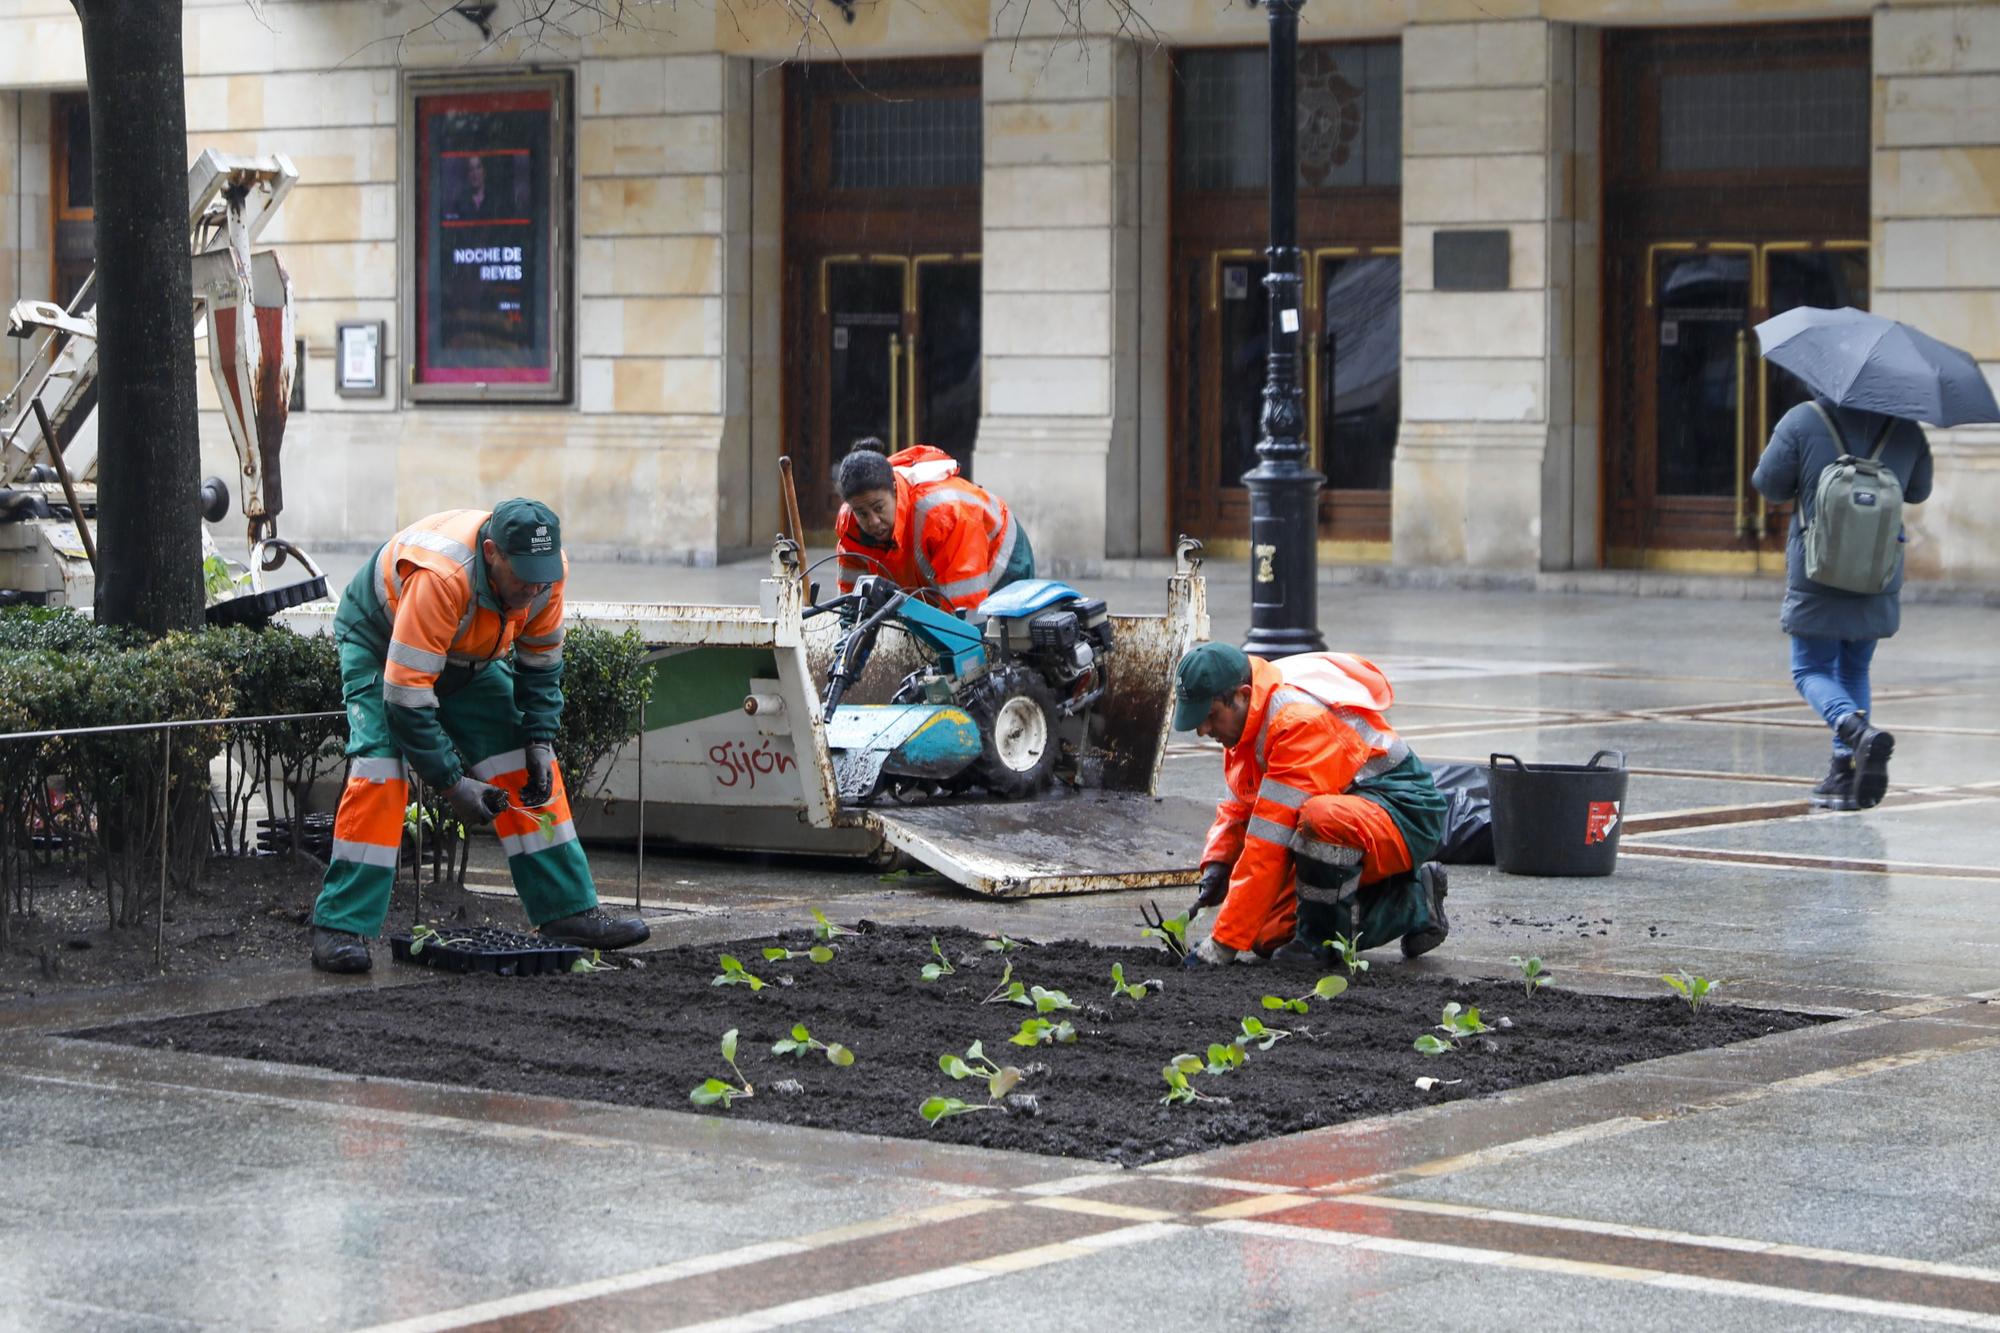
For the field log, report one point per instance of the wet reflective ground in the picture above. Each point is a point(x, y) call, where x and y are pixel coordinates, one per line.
point(1832, 1178)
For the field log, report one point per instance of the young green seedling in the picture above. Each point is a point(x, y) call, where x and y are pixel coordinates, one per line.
point(594, 963)
point(1000, 1079)
point(935, 1109)
point(734, 975)
point(1224, 1056)
point(1001, 944)
point(1459, 1022)
point(1048, 1001)
point(716, 1090)
point(1009, 991)
point(824, 930)
point(1326, 989)
point(1137, 990)
point(1533, 975)
point(1041, 1032)
point(1264, 1037)
point(777, 953)
point(1172, 932)
point(423, 935)
point(942, 967)
point(802, 1041)
point(1689, 987)
point(1349, 952)
point(1180, 1092)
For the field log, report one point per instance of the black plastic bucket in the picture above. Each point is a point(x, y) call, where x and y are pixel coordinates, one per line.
point(1558, 819)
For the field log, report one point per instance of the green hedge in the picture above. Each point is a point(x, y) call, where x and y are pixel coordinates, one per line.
point(59, 671)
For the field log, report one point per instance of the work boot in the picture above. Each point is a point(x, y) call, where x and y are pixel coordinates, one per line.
point(1328, 905)
point(595, 928)
point(1836, 789)
point(1872, 748)
point(339, 951)
point(1433, 884)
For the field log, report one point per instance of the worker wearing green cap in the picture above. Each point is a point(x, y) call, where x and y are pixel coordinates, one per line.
point(1331, 819)
point(451, 663)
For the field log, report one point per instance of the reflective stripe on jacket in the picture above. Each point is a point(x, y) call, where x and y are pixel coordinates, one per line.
point(1315, 728)
point(950, 534)
point(424, 603)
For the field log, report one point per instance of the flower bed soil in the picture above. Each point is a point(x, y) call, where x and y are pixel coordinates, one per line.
point(648, 1033)
point(248, 914)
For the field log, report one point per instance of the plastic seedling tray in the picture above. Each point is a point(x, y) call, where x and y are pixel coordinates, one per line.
point(504, 953)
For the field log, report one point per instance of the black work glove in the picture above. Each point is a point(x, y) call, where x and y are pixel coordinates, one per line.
point(1214, 887)
point(540, 788)
point(475, 802)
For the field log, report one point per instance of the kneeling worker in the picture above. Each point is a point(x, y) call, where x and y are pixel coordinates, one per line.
point(913, 519)
point(1331, 818)
point(426, 629)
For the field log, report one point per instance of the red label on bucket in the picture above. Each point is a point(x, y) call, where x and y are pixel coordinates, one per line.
point(1602, 820)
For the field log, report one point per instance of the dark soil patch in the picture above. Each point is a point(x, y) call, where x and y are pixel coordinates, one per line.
point(648, 1034)
point(248, 914)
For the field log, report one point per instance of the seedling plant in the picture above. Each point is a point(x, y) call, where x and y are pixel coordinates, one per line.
point(1180, 1092)
point(942, 967)
point(801, 1041)
point(1041, 1032)
point(1689, 987)
point(1170, 931)
point(1010, 991)
point(777, 953)
point(1458, 1022)
point(1002, 945)
point(1348, 950)
point(1137, 990)
point(594, 963)
point(716, 1091)
point(734, 975)
point(1254, 1032)
point(1533, 975)
point(825, 931)
point(1326, 989)
point(1000, 1080)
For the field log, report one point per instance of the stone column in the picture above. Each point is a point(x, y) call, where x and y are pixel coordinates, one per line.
point(26, 259)
point(1060, 321)
point(1487, 455)
point(1935, 206)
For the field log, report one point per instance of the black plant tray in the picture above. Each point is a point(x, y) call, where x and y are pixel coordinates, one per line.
point(505, 953)
point(255, 609)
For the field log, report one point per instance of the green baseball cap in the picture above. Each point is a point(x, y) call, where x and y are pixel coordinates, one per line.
point(529, 534)
point(1209, 671)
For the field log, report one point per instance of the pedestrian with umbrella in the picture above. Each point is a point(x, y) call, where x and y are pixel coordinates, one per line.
point(1849, 459)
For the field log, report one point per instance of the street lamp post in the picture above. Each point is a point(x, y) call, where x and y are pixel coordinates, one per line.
point(1284, 490)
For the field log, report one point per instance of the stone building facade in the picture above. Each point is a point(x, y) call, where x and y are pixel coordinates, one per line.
point(1538, 231)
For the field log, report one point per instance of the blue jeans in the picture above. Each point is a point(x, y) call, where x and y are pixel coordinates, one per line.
point(1832, 676)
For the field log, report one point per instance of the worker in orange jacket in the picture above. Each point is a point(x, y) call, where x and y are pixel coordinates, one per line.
point(913, 519)
point(1331, 818)
point(451, 663)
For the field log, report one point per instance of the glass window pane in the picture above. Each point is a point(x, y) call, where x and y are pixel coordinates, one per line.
point(1761, 120)
point(907, 143)
point(1350, 117)
point(1360, 370)
point(1701, 306)
point(76, 153)
point(1244, 336)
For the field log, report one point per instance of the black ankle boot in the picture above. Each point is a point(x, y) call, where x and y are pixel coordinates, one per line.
point(1872, 748)
point(1836, 789)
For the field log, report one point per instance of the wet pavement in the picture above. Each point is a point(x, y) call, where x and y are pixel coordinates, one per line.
point(1838, 1177)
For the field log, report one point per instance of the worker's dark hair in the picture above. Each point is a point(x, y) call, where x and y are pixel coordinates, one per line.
point(869, 444)
point(863, 471)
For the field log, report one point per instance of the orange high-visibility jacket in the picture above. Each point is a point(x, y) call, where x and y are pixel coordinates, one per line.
point(1315, 728)
point(950, 534)
point(424, 603)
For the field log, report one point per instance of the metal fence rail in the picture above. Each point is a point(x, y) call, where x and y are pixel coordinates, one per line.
point(166, 785)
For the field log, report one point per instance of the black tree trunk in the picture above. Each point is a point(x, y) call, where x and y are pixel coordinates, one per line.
point(149, 455)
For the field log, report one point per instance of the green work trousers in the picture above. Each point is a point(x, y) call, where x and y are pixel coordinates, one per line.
point(550, 871)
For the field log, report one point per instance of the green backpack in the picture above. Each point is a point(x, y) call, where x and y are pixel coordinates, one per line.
point(1854, 542)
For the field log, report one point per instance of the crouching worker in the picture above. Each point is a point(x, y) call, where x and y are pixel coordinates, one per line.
point(1331, 819)
point(451, 663)
point(913, 519)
